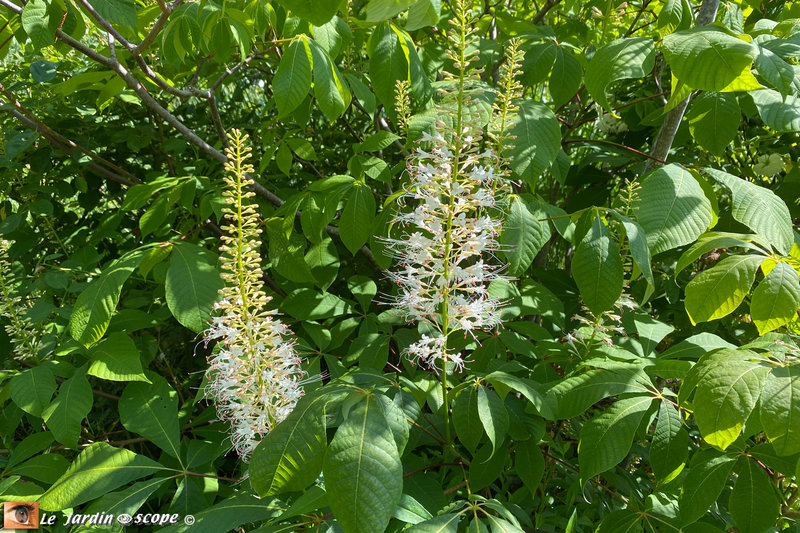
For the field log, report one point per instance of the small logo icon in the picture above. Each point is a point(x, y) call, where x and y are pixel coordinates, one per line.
point(20, 515)
point(124, 519)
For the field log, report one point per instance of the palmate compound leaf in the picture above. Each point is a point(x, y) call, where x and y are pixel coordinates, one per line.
point(362, 470)
point(753, 503)
point(290, 456)
point(606, 439)
point(97, 470)
point(672, 208)
point(718, 291)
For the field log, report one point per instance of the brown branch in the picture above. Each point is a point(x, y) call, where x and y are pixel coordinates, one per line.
point(166, 11)
point(539, 16)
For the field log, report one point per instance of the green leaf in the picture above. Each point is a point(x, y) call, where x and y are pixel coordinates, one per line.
point(74, 401)
point(725, 397)
point(597, 269)
point(466, 419)
point(753, 503)
point(96, 304)
point(446, 523)
point(317, 12)
point(776, 299)
point(565, 78)
point(377, 141)
point(779, 112)
point(523, 234)
point(292, 80)
point(117, 11)
point(718, 291)
point(39, 23)
point(606, 439)
point(290, 456)
point(151, 410)
point(332, 94)
point(623, 521)
point(323, 260)
point(387, 63)
point(355, 226)
point(714, 120)
point(379, 10)
point(707, 58)
point(670, 445)
point(493, 416)
point(537, 140)
point(759, 209)
point(780, 409)
point(411, 511)
point(128, 500)
point(97, 470)
point(777, 72)
point(309, 304)
point(618, 60)
point(572, 396)
point(32, 389)
point(192, 285)
point(229, 514)
point(637, 243)
point(672, 208)
point(396, 419)
point(530, 464)
point(116, 358)
point(708, 474)
point(362, 470)
point(423, 13)
point(712, 241)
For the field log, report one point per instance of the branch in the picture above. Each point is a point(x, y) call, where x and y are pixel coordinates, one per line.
point(53, 138)
point(669, 128)
point(539, 16)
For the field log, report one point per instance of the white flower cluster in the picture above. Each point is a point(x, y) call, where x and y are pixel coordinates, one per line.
point(442, 276)
point(255, 375)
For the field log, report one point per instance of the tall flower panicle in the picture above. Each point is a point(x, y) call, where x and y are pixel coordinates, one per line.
point(255, 374)
point(441, 268)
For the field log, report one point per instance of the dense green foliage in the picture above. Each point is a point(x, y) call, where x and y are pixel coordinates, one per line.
point(646, 376)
